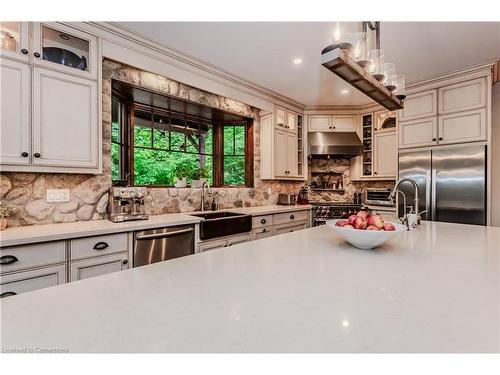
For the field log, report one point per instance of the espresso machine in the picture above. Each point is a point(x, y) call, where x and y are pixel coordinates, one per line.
point(126, 203)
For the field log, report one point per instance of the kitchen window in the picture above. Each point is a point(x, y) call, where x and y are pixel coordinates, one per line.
point(152, 146)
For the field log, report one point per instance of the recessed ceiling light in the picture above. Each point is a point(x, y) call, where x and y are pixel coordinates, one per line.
point(297, 61)
point(344, 91)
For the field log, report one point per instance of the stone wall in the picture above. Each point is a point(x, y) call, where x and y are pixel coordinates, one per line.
point(341, 166)
point(26, 192)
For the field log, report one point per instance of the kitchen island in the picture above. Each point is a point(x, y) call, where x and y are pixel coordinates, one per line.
point(436, 289)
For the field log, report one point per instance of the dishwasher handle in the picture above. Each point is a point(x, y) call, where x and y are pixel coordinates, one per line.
point(162, 235)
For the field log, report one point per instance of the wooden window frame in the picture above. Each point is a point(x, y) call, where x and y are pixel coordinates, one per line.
point(128, 116)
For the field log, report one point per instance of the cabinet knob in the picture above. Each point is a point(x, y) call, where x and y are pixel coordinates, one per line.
point(37, 155)
point(433, 139)
point(292, 217)
point(333, 127)
point(263, 221)
point(125, 261)
point(100, 246)
point(8, 259)
point(24, 51)
point(7, 294)
point(37, 55)
point(24, 154)
point(374, 172)
point(263, 230)
point(440, 138)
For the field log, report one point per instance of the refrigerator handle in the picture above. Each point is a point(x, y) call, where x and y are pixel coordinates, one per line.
point(434, 195)
point(428, 194)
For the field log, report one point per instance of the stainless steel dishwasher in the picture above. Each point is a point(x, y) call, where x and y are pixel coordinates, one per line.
point(159, 244)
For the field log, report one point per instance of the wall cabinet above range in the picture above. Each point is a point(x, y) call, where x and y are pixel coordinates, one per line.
point(50, 121)
point(332, 123)
point(282, 146)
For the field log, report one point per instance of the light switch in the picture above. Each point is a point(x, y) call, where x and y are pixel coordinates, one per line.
point(57, 195)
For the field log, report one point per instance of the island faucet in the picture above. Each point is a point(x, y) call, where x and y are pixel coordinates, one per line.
point(209, 190)
point(394, 192)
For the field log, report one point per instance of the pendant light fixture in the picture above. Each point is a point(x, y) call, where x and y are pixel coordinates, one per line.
point(348, 57)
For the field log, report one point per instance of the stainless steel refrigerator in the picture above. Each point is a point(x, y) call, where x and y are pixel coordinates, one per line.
point(451, 181)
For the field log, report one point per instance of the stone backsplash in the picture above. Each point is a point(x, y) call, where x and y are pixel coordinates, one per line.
point(340, 166)
point(26, 192)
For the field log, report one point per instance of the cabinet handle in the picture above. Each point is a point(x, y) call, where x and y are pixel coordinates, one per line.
point(36, 54)
point(100, 246)
point(24, 154)
point(24, 51)
point(440, 138)
point(8, 259)
point(229, 244)
point(37, 155)
point(125, 261)
point(263, 221)
point(264, 230)
point(8, 294)
point(292, 217)
point(433, 139)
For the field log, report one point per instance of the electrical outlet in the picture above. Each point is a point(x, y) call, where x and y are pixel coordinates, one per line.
point(57, 195)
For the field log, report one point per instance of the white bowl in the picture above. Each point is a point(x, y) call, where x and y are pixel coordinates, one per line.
point(366, 239)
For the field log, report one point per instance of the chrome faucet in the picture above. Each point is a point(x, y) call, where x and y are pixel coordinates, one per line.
point(394, 192)
point(209, 190)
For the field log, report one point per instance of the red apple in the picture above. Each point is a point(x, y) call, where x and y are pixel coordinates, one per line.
point(372, 227)
point(389, 227)
point(363, 214)
point(348, 226)
point(376, 221)
point(351, 219)
point(341, 223)
point(359, 223)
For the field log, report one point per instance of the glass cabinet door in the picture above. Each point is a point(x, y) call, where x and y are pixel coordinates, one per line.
point(71, 50)
point(14, 40)
point(280, 117)
point(292, 120)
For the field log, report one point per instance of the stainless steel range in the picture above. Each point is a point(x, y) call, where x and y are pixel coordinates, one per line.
point(321, 212)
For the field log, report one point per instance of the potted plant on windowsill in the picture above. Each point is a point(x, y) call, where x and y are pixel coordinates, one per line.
point(200, 175)
point(181, 173)
point(5, 212)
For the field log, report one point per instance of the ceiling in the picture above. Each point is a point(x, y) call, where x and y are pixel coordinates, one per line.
point(263, 52)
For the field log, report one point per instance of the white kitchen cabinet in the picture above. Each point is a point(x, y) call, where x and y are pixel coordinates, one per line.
point(233, 240)
point(224, 242)
point(319, 123)
point(48, 37)
point(17, 44)
point(286, 146)
point(462, 127)
point(385, 154)
point(463, 96)
point(21, 282)
point(16, 258)
point(14, 114)
point(290, 228)
point(418, 133)
point(344, 123)
point(65, 120)
point(263, 232)
point(419, 105)
point(286, 119)
point(211, 245)
point(91, 267)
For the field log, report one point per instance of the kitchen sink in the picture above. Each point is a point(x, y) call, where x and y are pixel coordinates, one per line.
point(223, 223)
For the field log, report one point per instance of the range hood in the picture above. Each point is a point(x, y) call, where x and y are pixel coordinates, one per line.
point(341, 144)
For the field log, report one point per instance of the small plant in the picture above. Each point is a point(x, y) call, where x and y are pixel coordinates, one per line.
point(181, 171)
point(200, 173)
point(5, 211)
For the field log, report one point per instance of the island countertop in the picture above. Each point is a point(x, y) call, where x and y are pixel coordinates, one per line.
point(436, 289)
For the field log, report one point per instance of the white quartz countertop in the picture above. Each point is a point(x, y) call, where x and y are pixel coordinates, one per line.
point(52, 232)
point(436, 289)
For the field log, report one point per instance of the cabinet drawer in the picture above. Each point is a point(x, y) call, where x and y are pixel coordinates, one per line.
point(262, 221)
point(239, 239)
point(291, 228)
point(29, 256)
point(290, 217)
point(210, 245)
point(462, 96)
point(22, 282)
point(84, 269)
point(263, 232)
point(98, 245)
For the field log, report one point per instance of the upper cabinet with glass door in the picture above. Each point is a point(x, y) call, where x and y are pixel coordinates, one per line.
point(14, 40)
point(57, 46)
point(286, 119)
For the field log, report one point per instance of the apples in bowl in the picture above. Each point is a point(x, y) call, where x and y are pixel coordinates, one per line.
point(366, 231)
